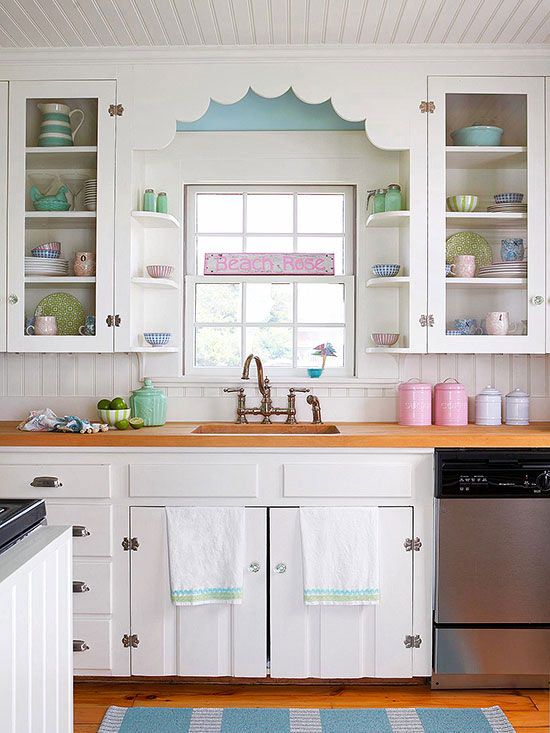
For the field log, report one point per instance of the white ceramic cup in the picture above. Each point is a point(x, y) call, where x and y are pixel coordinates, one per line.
point(43, 326)
point(497, 323)
point(464, 266)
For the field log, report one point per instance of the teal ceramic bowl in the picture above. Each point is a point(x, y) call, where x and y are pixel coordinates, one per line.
point(477, 135)
point(314, 373)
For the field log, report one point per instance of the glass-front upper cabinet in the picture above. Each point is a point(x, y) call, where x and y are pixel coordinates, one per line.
point(61, 216)
point(486, 215)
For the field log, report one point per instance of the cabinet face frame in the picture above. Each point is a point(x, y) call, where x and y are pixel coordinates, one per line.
point(533, 90)
point(4, 205)
point(105, 94)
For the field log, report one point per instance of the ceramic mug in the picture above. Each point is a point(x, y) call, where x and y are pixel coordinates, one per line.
point(88, 329)
point(498, 323)
point(84, 264)
point(43, 326)
point(448, 270)
point(512, 250)
point(464, 266)
point(467, 327)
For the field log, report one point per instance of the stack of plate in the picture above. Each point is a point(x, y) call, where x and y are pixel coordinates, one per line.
point(90, 194)
point(504, 269)
point(43, 266)
point(507, 208)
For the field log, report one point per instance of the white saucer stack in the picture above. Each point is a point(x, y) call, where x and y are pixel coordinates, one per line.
point(90, 194)
point(42, 266)
point(504, 269)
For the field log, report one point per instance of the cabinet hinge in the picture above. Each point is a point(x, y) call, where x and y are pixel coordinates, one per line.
point(130, 640)
point(116, 110)
point(115, 320)
point(130, 543)
point(411, 544)
point(412, 642)
point(427, 106)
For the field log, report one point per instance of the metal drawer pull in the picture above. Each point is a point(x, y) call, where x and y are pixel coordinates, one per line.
point(80, 531)
point(46, 482)
point(79, 586)
point(80, 646)
point(254, 567)
point(280, 567)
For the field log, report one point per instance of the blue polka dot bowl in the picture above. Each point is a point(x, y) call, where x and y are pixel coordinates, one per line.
point(508, 198)
point(157, 338)
point(385, 270)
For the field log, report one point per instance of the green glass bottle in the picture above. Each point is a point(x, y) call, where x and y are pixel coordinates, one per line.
point(149, 200)
point(162, 203)
point(149, 403)
point(393, 197)
point(379, 201)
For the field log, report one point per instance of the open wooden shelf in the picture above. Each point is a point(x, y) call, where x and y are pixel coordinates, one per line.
point(389, 219)
point(511, 283)
point(485, 156)
point(388, 350)
point(155, 282)
point(67, 280)
point(388, 282)
point(155, 349)
point(154, 220)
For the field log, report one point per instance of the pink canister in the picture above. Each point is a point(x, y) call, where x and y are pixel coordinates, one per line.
point(415, 403)
point(450, 403)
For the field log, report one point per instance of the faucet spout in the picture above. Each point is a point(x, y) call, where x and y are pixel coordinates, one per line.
point(259, 370)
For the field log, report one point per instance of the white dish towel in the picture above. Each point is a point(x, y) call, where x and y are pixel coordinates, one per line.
point(340, 555)
point(206, 546)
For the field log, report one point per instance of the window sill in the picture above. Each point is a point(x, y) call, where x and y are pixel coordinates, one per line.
point(282, 382)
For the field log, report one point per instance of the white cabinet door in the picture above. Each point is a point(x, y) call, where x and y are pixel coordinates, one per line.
point(87, 227)
point(516, 165)
point(210, 640)
point(341, 641)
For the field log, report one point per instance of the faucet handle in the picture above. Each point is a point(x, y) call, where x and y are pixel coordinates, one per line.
point(298, 389)
point(240, 390)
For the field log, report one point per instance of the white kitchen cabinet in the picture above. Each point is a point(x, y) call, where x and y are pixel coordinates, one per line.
point(209, 640)
point(516, 105)
point(341, 641)
point(3, 205)
point(79, 229)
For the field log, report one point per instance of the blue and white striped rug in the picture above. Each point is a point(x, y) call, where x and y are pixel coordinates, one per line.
point(284, 720)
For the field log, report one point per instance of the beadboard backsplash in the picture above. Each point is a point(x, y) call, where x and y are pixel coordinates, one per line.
point(73, 383)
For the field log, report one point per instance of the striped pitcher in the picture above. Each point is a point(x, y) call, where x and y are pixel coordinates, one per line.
point(55, 128)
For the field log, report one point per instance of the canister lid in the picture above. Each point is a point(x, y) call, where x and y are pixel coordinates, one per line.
point(414, 384)
point(517, 393)
point(451, 384)
point(489, 391)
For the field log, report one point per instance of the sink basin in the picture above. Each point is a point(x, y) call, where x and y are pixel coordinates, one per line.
point(221, 428)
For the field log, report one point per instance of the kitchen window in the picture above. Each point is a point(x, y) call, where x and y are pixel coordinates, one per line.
point(278, 317)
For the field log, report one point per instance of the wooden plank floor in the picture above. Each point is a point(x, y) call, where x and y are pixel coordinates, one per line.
point(527, 710)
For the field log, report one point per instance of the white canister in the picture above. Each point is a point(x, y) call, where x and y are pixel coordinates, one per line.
point(489, 407)
point(516, 408)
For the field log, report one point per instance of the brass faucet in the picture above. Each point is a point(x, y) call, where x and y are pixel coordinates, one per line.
point(266, 409)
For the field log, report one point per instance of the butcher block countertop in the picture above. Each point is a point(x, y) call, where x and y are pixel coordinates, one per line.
point(352, 435)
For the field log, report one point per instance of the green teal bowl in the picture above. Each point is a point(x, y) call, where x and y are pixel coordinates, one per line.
point(477, 135)
point(314, 373)
point(51, 204)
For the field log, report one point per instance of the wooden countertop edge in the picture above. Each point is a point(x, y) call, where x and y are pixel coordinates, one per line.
point(353, 435)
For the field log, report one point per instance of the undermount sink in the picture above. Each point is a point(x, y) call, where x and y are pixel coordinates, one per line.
point(218, 428)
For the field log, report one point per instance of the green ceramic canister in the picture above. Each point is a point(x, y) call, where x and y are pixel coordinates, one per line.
point(393, 197)
point(379, 201)
point(149, 403)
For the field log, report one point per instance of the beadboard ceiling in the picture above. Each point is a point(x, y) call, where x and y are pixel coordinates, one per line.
point(127, 23)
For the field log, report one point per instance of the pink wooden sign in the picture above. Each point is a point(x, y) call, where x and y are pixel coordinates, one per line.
point(268, 263)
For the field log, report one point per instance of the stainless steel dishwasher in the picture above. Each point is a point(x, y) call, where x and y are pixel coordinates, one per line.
point(492, 571)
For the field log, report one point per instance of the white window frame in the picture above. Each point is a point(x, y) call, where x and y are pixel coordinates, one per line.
point(347, 279)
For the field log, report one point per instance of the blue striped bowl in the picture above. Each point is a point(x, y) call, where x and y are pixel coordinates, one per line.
point(157, 338)
point(385, 270)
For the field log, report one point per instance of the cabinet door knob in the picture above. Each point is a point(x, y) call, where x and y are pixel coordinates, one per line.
point(80, 531)
point(79, 586)
point(280, 567)
point(13, 299)
point(80, 646)
point(46, 482)
point(254, 567)
point(537, 299)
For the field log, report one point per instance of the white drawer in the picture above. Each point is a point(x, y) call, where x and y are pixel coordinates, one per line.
point(95, 518)
point(195, 480)
point(95, 580)
point(96, 634)
point(347, 480)
point(86, 481)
